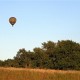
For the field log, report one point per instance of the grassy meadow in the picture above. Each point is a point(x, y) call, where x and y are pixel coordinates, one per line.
point(37, 74)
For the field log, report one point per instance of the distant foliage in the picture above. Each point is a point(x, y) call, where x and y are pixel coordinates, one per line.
point(63, 55)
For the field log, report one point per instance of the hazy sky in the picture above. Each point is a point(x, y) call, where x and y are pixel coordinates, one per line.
point(38, 21)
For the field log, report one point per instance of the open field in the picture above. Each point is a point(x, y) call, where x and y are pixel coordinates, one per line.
point(37, 74)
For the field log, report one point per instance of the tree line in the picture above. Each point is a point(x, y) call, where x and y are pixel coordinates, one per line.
point(63, 55)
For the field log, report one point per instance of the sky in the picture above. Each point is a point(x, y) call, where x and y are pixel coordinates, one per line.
point(38, 21)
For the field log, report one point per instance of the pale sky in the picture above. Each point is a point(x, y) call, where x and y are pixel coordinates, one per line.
point(38, 21)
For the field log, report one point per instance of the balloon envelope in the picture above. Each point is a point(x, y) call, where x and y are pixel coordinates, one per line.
point(12, 20)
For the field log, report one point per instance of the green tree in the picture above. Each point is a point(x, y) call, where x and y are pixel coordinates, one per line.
point(49, 48)
point(1, 63)
point(67, 55)
point(41, 59)
point(24, 58)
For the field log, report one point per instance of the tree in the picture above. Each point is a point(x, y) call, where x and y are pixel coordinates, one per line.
point(24, 58)
point(1, 63)
point(67, 55)
point(41, 59)
point(8, 63)
point(64, 54)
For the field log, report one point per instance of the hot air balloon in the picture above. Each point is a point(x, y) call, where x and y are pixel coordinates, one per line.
point(12, 20)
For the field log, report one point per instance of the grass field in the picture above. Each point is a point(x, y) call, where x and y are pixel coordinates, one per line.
point(37, 74)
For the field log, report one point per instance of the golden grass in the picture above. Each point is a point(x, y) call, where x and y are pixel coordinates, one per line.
point(37, 74)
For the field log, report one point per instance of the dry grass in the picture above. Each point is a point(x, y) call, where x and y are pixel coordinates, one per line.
point(37, 74)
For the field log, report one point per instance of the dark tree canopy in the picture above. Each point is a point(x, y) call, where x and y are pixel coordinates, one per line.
point(63, 55)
